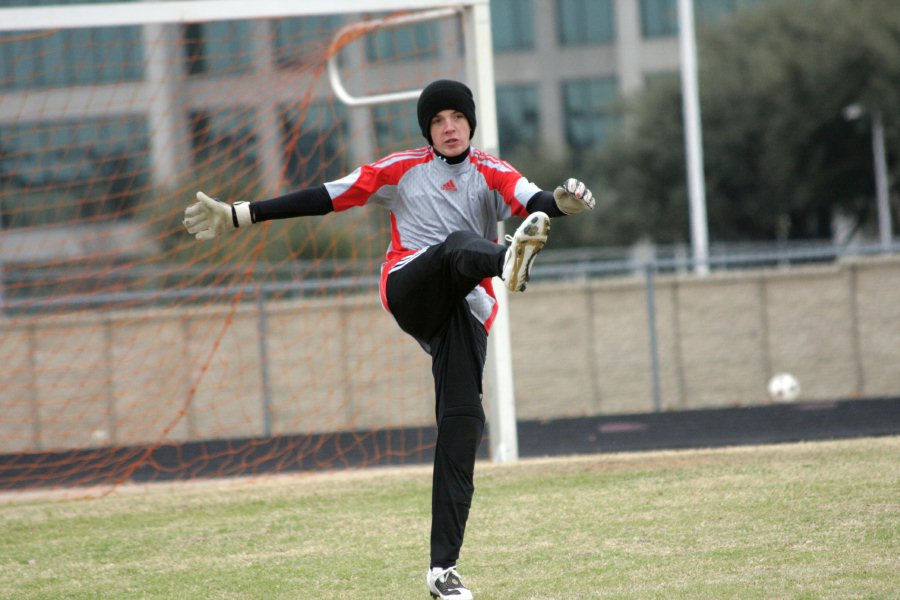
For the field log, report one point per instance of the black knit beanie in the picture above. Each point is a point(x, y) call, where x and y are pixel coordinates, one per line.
point(443, 94)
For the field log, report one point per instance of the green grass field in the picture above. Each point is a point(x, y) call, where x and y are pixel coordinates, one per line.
point(815, 520)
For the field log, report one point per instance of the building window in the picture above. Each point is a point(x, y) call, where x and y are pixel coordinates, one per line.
point(396, 127)
point(218, 48)
point(70, 57)
point(589, 111)
point(225, 139)
point(60, 58)
point(713, 12)
point(315, 143)
point(659, 18)
point(303, 41)
point(518, 117)
point(512, 25)
point(62, 172)
point(583, 22)
point(407, 42)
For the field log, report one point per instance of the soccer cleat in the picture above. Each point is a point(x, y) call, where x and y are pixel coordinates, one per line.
point(528, 240)
point(445, 583)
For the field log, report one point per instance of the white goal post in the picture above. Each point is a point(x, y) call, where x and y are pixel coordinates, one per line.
point(476, 29)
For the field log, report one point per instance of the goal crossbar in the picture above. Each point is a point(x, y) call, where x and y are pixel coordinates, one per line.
point(354, 30)
point(74, 16)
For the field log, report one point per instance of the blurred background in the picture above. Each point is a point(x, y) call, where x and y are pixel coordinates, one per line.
point(788, 92)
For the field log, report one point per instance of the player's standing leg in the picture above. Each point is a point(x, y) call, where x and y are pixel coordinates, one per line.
point(427, 297)
point(458, 356)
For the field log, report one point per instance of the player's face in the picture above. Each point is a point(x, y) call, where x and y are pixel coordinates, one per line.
point(450, 132)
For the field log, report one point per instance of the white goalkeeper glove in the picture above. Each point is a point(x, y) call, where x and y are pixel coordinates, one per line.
point(208, 217)
point(572, 197)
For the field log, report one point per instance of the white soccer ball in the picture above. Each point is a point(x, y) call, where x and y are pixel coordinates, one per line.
point(784, 387)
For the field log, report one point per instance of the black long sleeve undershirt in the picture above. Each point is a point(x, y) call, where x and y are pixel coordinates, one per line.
point(545, 202)
point(315, 201)
point(307, 202)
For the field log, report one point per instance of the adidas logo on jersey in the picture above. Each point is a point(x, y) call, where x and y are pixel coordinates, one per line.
point(449, 186)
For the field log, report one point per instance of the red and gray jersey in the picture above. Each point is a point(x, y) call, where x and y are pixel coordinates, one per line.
point(429, 199)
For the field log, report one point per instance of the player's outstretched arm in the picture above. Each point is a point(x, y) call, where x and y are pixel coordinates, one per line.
point(573, 197)
point(209, 217)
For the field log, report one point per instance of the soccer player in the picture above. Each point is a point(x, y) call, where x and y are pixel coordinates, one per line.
point(445, 200)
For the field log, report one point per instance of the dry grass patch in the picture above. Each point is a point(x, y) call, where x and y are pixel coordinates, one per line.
point(817, 520)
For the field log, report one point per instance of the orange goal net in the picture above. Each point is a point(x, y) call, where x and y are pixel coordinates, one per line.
point(131, 351)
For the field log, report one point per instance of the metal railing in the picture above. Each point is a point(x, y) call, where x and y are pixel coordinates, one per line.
point(49, 290)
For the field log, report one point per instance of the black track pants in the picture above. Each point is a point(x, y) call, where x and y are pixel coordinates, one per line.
point(427, 298)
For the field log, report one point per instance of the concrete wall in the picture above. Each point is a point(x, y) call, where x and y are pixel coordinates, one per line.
point(134, 377)
point(177, 375)
point(719, 339)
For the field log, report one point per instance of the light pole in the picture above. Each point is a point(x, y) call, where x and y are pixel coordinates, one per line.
point(885, 229)
point(693, 136)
